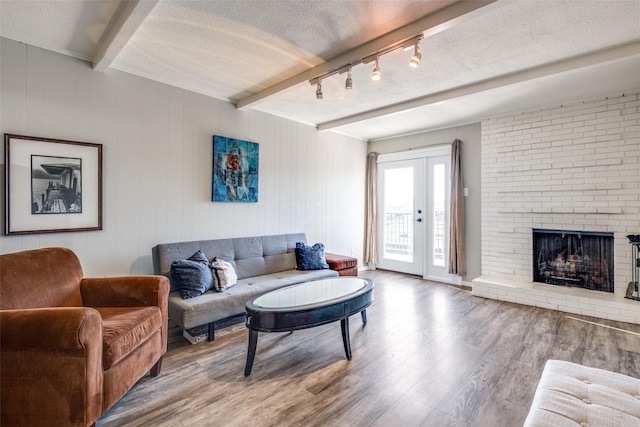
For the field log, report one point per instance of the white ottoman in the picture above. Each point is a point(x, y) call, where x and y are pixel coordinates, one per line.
point(574, 395)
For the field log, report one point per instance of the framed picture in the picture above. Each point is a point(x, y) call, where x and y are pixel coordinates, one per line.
point(51, 185)
point(235, 170)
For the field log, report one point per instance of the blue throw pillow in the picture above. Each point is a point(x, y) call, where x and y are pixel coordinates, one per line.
point(310, 257)
point(199, 257)
point(192, 276)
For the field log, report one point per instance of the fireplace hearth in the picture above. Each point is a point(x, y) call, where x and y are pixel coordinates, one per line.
point(580, 259)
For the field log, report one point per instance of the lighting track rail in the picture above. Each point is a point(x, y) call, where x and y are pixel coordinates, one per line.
point(412, 42)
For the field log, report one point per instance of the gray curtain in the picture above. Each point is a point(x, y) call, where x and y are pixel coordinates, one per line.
point(370, 251)
point(456, 213)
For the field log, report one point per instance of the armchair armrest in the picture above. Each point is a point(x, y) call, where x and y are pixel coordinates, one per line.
point(127, 291)
point(51, 366)
point(55, 328)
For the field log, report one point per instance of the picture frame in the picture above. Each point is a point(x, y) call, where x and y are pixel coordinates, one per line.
point(235, 170)
point(51, 185)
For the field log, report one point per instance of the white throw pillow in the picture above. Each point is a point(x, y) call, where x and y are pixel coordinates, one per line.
point(224, 276)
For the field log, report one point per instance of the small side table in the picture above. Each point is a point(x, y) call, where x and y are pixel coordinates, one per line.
point(344, 265)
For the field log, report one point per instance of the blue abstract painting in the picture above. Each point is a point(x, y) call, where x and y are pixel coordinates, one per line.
point(235, 170)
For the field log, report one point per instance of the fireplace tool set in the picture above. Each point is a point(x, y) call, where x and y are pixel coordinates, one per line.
point(632, 289)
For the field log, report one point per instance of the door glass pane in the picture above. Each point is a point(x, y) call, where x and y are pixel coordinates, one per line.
point(439, 210)
point(398, 214)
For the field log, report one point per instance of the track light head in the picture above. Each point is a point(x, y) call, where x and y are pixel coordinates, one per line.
point(417, 56)
point(319, 91)
point(348, 84)
point(376, 71)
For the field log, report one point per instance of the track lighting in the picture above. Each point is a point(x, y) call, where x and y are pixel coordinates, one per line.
point(406, 44)
point(417, 56)
point(375, 75)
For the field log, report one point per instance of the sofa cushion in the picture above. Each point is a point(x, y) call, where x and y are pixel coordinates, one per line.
point(124, 329)
point(256, 256)
point(192, 276)
point(289, 277)
point(214, 306)
point(310, 257)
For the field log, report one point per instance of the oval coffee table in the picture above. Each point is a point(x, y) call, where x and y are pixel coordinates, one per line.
point(307, 305)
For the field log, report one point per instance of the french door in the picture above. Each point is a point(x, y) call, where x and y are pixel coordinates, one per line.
point(401, 206)
point(413, 213)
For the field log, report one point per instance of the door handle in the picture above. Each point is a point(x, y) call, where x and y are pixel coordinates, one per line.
point(419, 219)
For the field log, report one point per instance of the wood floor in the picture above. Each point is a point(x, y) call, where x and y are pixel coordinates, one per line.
point(430, 355)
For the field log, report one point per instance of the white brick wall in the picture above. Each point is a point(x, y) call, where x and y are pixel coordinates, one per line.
point(574, 167)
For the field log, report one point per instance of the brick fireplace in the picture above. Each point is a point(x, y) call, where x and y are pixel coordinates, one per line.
point(574, 167)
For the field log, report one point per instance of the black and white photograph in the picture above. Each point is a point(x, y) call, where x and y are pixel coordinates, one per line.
point(56, 185)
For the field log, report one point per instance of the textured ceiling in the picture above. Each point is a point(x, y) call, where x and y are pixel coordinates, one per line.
point(503, 57)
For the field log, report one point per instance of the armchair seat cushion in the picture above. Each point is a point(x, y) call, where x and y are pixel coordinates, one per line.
point(126, 328)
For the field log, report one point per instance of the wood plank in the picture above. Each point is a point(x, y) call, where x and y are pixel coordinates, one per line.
point(430, 355)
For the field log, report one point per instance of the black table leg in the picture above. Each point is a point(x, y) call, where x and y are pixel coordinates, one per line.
point(251, 352)
point(344, 323)
point(363, 313)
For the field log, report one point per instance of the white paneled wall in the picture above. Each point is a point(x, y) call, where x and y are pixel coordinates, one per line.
point(575, 167)
point(157, 155)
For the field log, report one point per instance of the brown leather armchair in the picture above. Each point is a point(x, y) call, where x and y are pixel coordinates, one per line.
point(70, 347)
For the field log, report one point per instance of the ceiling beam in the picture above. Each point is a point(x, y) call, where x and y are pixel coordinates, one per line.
point(592, 58)
point(122, 27)
point(434, 23)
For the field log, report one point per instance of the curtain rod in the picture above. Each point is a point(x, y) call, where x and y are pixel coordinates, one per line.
point(442, 144)
point(429, 146)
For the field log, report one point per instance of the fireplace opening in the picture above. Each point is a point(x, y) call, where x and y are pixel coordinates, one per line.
point(580, 259)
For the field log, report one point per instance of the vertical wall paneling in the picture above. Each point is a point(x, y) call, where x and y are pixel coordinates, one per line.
point(103, 120)
point(157, 160)
point(174, 166)
point(313, 167)
point(12, 107)
point(35, 74)
point(149, 152)
point(189, 146)
point(287, 174)
point(82, 101)
point(60, 76)
point(266, 188)
point(127, 161)
point(204, 154)
point(303, 134)
point(14, 78)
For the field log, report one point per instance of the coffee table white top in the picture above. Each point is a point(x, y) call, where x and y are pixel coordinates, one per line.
point(309, 293)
